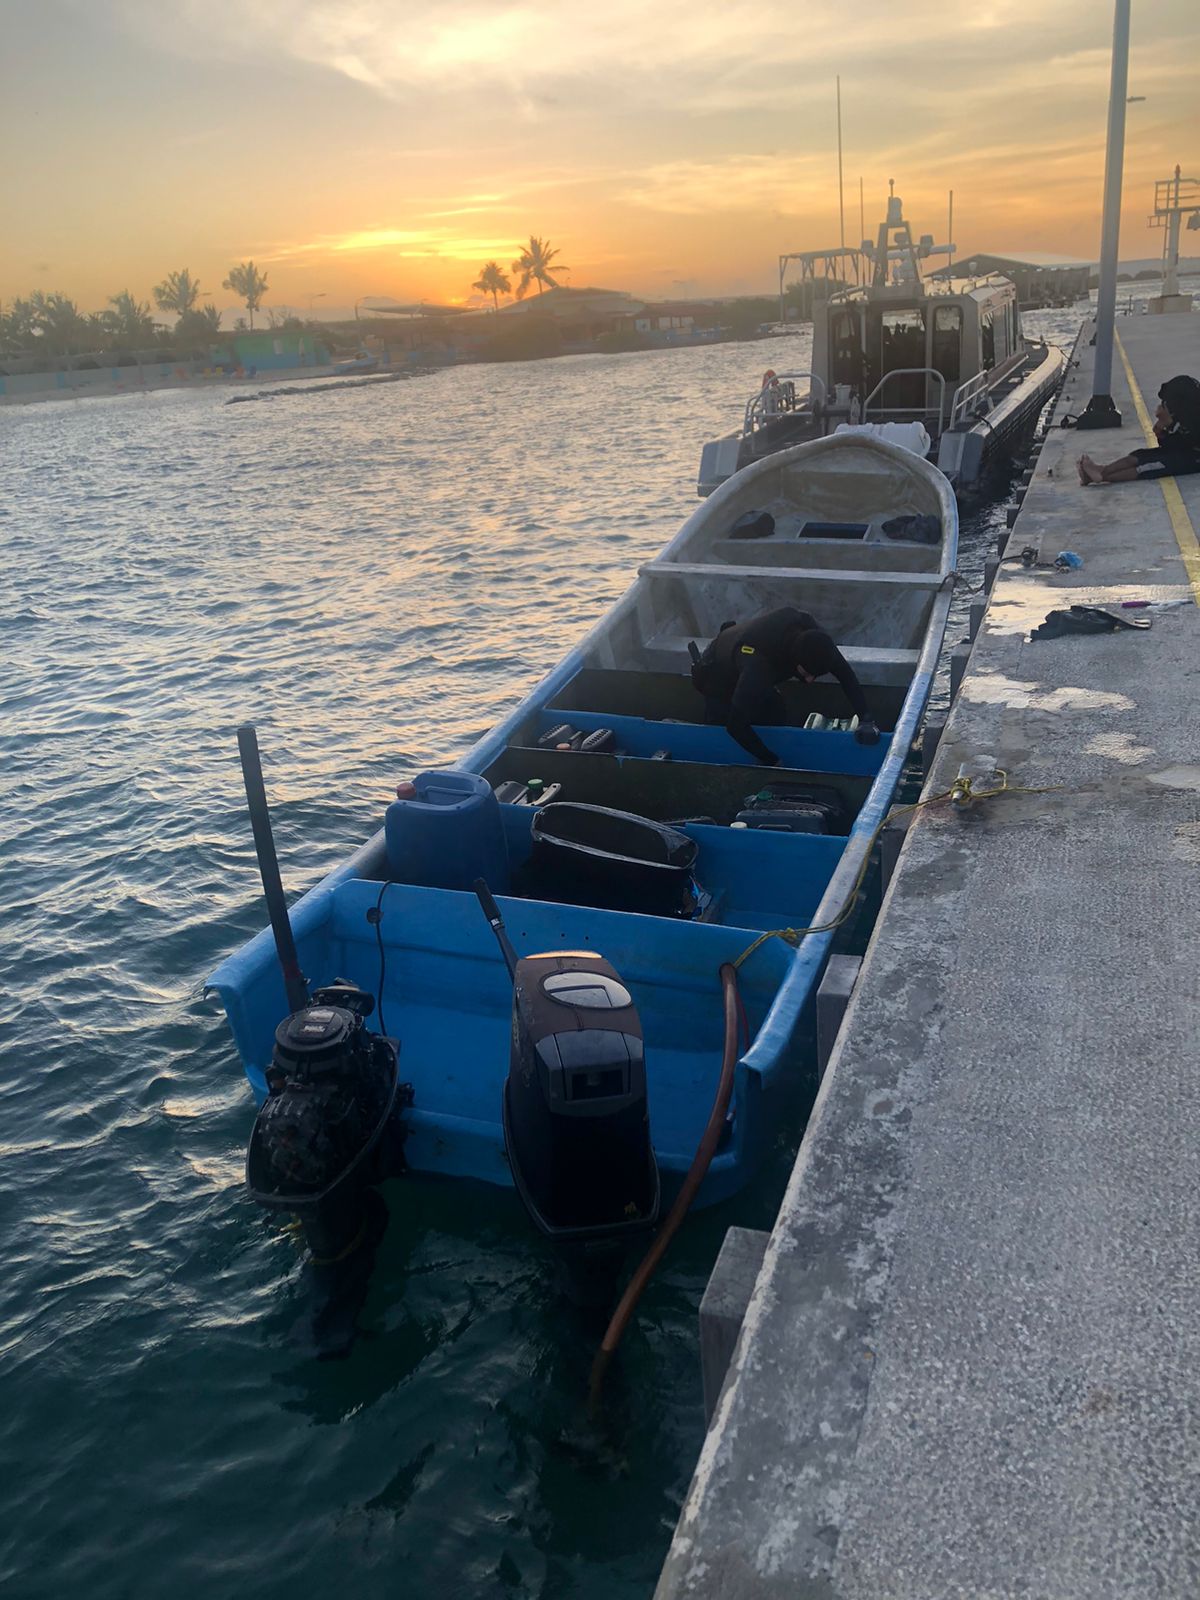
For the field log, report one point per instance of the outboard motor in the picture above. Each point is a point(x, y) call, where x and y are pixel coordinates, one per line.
point(323, 1138)
point(576, 1122)
point(327, 1132)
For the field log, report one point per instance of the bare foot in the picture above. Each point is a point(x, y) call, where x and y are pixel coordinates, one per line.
point(1083, 477)
point(1089, 473)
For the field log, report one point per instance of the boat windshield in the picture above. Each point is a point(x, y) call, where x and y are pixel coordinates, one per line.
point(896, 339)
point(946, 351)
point(846, 349)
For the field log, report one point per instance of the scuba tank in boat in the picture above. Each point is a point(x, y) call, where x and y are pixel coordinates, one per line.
point(576, 1122)
point(327, 1133)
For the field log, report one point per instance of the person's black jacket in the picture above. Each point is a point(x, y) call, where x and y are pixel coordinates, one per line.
point(744, 665)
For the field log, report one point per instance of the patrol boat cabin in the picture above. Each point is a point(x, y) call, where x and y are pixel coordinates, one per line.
point(945, 354)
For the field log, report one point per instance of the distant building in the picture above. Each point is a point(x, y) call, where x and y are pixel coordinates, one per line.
point(574, 305)
point(674, 321)
point(1041, 280)
point(669, 317)
point(276, 349)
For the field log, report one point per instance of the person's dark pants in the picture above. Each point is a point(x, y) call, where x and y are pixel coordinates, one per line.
point(1166, 461)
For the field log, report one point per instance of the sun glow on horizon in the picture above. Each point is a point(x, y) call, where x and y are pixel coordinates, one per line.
point(670, 149)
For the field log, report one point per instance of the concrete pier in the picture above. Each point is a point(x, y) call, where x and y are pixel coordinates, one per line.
point(971, 1362)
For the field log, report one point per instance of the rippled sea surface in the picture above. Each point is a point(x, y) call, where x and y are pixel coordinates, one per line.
point(372, 576)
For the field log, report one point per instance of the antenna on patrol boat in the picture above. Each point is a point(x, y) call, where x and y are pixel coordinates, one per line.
point(950, 236)
point(841, 199)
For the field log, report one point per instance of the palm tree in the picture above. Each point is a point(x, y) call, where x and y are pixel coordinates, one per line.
point(17, 326)
point(249, 284)
point(534, 266)
point(199, 330)
point(129, 322)
point(58, 321)
point(178, 292)
point(493, 280)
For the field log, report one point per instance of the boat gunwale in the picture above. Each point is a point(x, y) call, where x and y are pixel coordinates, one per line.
point(773, 1036)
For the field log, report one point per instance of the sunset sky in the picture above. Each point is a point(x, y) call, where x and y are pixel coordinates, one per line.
point(380, 147)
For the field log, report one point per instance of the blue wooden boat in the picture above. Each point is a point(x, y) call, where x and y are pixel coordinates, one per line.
point(618, 724)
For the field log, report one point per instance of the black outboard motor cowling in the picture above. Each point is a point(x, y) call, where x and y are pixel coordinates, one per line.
point(323, 1137)
point(576, 1122)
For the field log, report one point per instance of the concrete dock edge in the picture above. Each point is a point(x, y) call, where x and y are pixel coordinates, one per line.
point(970, 1365)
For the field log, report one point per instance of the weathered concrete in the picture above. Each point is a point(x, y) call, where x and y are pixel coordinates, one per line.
point(723, 1309)
point(891, 842)
point(971, 1366)
point(931, 736)
point(959, 657)
point(841, 974)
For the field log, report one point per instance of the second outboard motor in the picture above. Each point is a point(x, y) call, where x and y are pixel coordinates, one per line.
point(323, 1137)
point(326, 1134)
point(576, 1120)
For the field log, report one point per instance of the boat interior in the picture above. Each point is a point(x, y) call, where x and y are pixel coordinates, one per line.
point(447, 997)
point(626, 731)
point(622, 728)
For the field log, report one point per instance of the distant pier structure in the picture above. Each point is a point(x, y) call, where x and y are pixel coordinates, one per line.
point(1041, 280)
point(1174, 199)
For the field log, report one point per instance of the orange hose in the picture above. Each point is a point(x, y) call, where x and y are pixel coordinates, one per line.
point(701, 1161)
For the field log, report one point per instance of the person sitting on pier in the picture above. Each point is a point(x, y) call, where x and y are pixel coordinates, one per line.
point(740, 672)
point(1177, 453)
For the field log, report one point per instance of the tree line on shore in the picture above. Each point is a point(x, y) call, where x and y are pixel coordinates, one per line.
point(53, 324)
point(536, 264)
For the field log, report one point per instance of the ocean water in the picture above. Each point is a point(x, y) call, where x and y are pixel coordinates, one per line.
point(372, 576)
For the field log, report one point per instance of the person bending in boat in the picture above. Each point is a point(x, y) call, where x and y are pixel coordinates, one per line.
point(740, 672)
point(1177, 453)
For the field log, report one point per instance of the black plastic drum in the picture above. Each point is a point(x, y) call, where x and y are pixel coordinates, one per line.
point(591, 855)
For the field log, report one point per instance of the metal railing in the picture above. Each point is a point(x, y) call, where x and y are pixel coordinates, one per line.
point(779, 398)
point(909, 372)
point(965, 396)
point(963, 403)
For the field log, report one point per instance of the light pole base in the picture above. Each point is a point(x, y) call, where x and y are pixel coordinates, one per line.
point(1100, 412)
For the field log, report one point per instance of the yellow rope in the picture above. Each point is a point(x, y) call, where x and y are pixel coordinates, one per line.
point(961, 787)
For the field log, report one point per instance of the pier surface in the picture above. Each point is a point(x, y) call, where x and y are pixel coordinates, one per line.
point(971, 1363)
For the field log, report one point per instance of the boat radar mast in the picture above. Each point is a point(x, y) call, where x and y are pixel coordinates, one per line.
point(896, 258)
point(892, 259)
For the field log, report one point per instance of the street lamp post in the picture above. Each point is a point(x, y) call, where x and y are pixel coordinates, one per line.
point(1101, 410)
point(312, 297)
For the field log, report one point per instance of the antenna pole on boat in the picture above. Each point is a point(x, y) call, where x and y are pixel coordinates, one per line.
point(1101, 410)
point(294, 982)
point(950, 235)
point(841, 199)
